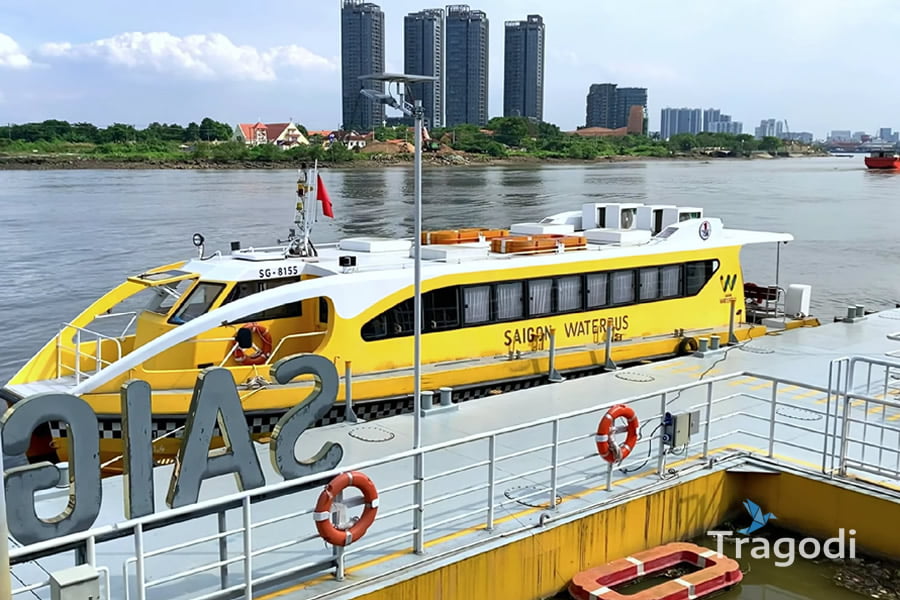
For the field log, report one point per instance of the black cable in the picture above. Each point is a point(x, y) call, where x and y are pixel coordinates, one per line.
point(649, 448)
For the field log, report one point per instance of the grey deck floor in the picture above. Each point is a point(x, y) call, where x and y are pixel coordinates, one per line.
point(739, 425)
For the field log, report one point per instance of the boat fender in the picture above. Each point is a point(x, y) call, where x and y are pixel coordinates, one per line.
point(261, 353)
point(687, 345)
point(333, 534)
point(606, 445)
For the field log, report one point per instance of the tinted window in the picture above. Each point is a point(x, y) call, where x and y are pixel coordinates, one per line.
point(248, 288)
point(198, 302)
point(441, 309)
point(697, 274)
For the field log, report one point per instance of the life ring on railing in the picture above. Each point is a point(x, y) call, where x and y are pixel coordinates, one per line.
point(687, 345)
point(244, 340)
point(606, 446)
point(322, 515)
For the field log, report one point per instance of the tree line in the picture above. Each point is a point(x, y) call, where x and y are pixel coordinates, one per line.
point(118, 133)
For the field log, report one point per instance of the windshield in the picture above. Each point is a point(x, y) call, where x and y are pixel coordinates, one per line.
point(166, 296)
point(197, 302)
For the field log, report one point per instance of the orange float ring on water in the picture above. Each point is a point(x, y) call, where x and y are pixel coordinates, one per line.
point(606, 446)
point(322, 515)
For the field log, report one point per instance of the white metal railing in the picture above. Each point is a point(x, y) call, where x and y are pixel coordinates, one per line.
point(79, 354)
point(557, 454)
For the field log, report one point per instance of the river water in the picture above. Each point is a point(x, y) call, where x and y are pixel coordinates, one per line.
point(69, 236)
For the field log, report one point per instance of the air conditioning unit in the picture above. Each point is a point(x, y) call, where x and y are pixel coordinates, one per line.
point(572, 217)
point(622, 216)
point(652, 217)
point(618, 215)
point(677, 214)
point(542, 228)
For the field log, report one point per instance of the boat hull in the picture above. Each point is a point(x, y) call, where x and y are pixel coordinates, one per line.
point(882, 163)
point(380, 397)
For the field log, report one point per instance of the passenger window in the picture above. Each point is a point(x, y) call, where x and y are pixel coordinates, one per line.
point(596, 289)
point(670, 281)
point(477, 302)
point(508, 297)
point(622, 287)
point(649, 283)
point(441, 309)
point(568, 293)
point(697, 274)
point(540, 297)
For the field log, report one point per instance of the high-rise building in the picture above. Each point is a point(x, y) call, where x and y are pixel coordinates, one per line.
point(609, 106)
point(466, 79)
point(769, 128)
point(423, 41)
point(523, 77)
point(627, 98)
point(601, 106)
point(679, 120)
point(710, 116)
point(362, 53)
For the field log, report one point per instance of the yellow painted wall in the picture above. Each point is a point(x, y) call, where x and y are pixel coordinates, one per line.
point(819, 509)
point(542, 565)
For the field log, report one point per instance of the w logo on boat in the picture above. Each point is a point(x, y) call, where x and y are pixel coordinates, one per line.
point(728, 282)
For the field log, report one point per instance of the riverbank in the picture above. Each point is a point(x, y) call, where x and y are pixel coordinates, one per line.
point(455, 159)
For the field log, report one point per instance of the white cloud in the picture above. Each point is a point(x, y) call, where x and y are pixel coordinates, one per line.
point(210, 56)
point(11, 56)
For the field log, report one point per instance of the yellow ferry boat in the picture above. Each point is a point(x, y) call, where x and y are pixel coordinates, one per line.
point(651, 278)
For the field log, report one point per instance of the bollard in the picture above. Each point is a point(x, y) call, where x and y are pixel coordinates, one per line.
point(714, 342)
point(446, 396)
point(349, 415)
point(851, 313)
point(703, 344)
point(427, 400)
point(860, 311)
point(553, 375)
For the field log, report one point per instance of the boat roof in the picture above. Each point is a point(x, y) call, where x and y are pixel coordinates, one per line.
point(374, 254)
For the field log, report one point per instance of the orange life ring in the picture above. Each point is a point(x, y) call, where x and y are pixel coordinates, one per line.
point(322, 515)
point(606, 446)
point(261, 353)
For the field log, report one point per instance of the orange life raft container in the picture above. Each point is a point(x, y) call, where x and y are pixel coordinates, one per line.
point(461, 236)
point(716, 573)
point(542, 242)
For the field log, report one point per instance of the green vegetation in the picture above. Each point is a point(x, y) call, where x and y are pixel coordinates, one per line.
point(210, 142)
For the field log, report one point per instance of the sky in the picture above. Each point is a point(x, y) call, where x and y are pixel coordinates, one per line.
point(819, 64)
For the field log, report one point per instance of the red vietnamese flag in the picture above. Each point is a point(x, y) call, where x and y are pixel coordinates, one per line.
point(322, 194)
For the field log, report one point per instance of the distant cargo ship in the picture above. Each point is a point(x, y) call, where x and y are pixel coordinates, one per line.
point(883, 159)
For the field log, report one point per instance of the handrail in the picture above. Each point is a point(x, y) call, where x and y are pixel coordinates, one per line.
point(549, 472)
point(99, 363)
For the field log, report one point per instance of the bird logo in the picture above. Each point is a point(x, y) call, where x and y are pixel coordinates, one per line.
point(759, 519)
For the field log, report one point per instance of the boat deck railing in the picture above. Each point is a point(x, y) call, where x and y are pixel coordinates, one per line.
point(467, 491)
point(79, 353)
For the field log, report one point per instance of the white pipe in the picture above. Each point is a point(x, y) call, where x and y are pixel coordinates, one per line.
point(417, 286)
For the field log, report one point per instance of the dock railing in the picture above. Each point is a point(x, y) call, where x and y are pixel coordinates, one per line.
point(496, 483)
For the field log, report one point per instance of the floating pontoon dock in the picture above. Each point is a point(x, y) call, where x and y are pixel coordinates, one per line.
point(508, 497)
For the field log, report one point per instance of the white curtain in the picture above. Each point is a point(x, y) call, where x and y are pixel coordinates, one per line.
point(622, 287)
point(671, 281)
point(509, 300)
point(649, 283)
point(596, 289)
point(539, 291)
point(568, 293)
point(478, 304)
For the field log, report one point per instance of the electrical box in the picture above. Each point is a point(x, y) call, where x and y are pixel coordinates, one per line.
point(678, 428)
point(78, 583)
